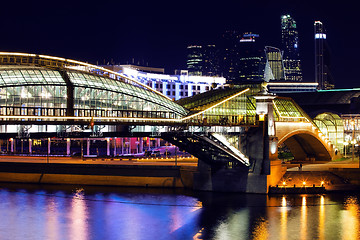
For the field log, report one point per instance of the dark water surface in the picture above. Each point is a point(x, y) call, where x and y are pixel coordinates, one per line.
point(79, 213)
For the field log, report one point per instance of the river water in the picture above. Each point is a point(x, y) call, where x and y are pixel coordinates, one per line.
point(79, 213)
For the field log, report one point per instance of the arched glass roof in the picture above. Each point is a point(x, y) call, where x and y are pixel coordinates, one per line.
point(331, 125)
point(30, 86)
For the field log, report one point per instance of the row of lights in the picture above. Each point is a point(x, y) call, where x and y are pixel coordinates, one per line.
point(304, 183)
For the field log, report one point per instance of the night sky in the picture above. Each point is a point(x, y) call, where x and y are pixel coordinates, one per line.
point(156, 33)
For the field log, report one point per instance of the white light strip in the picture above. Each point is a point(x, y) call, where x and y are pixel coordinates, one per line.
point(90, 118)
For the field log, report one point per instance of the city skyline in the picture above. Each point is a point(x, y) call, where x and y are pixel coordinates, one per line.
point(157, 34)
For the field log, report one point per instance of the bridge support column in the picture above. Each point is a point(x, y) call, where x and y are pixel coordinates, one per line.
point(224, 179)
point(141, 145)
point(88, 146)
point(122, 145)
point(30, 146)
point(12, 142)
point(68, 143)
point(107, 146)
point(114, 142)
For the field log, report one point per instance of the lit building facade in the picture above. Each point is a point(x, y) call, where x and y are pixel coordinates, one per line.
point(172, 86)
point(194, 60)
point(290, 46)
point(274, 69)
point(322, 58)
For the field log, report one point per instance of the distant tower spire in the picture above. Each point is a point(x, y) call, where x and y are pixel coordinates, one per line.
point(322, 58)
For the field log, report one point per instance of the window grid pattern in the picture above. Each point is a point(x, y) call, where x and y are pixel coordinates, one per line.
point(237, 111)
point(98, 89)
point(19, 77)
point(287, 109)
point(331, 125)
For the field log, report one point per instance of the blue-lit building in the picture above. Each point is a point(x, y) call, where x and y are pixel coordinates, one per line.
point(175, 86)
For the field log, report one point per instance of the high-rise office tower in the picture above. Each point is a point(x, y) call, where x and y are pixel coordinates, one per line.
point(230, 55)
point(322, 58)
point(242, 57)
point(251, 58)
point(194, 60)
point(274, 69)
point(203, 60)
point(290, 46)
point(210, 60)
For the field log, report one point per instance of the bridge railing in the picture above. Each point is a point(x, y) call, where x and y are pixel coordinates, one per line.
point(221, 120)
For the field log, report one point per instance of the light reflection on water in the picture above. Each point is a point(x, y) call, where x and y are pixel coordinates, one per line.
point(55, 212)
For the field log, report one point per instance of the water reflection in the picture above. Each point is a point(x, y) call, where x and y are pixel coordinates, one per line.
point(283, 219)
point(350, 218)
point(322, 218)
point(109, 213)
point(303, 220)
point(78, 216)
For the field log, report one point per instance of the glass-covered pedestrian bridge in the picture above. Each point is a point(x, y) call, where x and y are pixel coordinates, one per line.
point(39, 89)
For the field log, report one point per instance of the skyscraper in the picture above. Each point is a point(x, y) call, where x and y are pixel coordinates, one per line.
point(274, 69)
point(251, 58)
point(230, 55)
point(322, 58)
point(194, 60)
point(203, 60)
point(290, 47)
point(243, 57)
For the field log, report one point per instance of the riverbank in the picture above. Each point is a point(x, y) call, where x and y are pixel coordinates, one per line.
point(336, 176)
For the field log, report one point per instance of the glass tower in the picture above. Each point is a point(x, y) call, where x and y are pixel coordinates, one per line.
point(290, 46)
point(322, 58)
point(194, 60)
point(251, 58)
point(202, 60)
point(274, 69)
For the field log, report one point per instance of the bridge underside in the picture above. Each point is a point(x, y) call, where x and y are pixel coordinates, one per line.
point(307, 147)
point(207, 148)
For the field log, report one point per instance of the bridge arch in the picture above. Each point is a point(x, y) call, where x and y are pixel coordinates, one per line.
point(306, 143)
